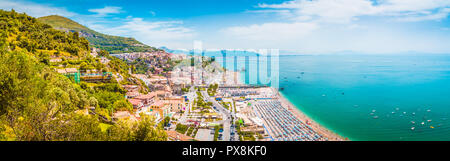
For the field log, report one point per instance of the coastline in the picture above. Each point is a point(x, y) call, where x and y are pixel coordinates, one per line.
point(332, 136)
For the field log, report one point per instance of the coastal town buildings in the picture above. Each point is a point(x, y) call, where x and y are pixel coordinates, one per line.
point(246, 113)
point(137, 104)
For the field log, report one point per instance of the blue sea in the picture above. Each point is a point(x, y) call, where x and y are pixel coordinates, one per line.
point(369, 97)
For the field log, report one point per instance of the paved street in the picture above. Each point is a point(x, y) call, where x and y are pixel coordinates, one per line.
point(191, 95)
point(204, 135)
point(226, 115)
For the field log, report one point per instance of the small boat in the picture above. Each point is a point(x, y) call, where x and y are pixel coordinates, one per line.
point(432, 127)
point(423, 123)
point(374, 110)
point(375, 117)
point(404, 112)
point(371, 113)
point(397, 109)
point(413, 122)
point(429, 120)
point(393, 112)
point(412, 128)
point(413, 113)
point(428, 110)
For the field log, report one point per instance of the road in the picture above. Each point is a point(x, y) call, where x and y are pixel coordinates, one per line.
point(225, 113)
point(191, 95)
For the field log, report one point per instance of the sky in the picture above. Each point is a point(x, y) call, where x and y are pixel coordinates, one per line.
point(297, 26)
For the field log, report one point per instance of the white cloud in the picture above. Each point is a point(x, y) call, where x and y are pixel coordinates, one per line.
point(158, 33)
point(34, 9)
point(441, 14)
point(106, 10)
point(327, 26)
point(345, 11)
point(270, 31)
point(268, 11)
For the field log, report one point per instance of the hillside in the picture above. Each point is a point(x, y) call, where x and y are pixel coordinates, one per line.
point(39, 104)
point(112, 44)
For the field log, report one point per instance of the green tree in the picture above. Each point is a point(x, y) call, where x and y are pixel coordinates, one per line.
point(83, 66)
point(83, 85)
point(122, 105)
point(103, 53)
point(93, 102)
point(143, 130)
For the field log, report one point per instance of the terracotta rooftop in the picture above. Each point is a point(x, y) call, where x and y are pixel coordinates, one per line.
point(158, 103)
point(147, 96)
point(135, 101)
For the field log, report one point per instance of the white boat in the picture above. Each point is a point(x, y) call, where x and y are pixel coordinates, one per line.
point(412, 128)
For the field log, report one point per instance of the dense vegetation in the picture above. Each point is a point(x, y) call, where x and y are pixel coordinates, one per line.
point(190, 130)
point(36, 103)
point(199, 103)
point(181, 128)
point(164, 123)
point(23, 32)
point(217, 128)
point(212, 90)
point(140, 66)
point(113, 44)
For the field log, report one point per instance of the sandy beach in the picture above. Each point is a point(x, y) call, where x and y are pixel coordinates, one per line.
point(332, 136)
point(300, 115)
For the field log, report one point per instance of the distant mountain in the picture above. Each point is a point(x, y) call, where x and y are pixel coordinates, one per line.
point(113, 44)
point(173, 51)
point(210, 53)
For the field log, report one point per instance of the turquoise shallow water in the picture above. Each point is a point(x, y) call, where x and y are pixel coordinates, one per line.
point(370, 97)
point(342, 92)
